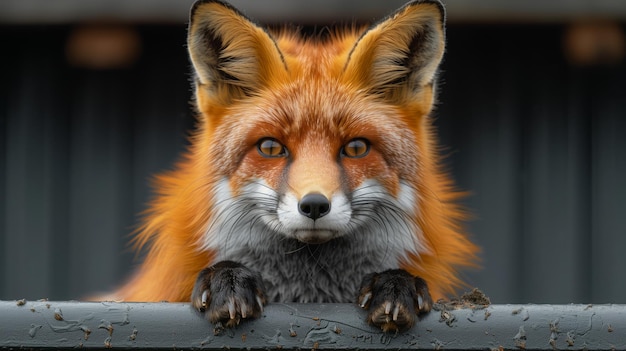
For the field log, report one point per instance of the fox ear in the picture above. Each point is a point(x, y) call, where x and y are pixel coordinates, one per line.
point(232, 57)
point(398, 57)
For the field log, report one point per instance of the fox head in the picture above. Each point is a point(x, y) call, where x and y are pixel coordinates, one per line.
point(318, 138)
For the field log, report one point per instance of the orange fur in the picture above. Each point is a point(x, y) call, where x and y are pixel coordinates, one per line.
point(348, 71)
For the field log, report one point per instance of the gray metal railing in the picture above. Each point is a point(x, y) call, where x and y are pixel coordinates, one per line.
point(89, 325)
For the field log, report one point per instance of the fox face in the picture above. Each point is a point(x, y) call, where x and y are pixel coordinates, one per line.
point(320, 141)
point(326, 164)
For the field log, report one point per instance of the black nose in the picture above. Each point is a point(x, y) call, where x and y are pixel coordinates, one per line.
point(314, 206)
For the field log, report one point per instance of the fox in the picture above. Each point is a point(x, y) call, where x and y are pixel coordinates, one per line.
point(313, 174)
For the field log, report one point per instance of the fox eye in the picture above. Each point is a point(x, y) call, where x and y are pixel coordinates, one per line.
point(269, 147)
point(356, 148)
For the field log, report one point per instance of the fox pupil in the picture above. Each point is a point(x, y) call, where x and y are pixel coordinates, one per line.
point(271, 148)
point(356, 148)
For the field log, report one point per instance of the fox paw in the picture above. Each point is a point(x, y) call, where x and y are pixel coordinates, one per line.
point(228, 292)
point(394, 299)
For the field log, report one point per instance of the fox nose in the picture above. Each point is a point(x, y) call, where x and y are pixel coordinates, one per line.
point(314, 206)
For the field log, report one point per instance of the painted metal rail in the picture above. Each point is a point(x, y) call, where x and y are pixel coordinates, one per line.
point(174, 326)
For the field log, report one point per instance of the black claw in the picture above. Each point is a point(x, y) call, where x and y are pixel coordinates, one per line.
point(394, 298)
point(228, 292)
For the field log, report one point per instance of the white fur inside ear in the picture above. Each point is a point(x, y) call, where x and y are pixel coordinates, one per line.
point(230, 53)
point(402, 53)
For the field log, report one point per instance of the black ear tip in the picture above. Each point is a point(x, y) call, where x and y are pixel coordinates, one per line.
point(224, 4)
point(199, 3)
point(440, 6)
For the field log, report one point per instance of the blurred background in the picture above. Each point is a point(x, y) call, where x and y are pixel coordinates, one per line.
point(94, 99)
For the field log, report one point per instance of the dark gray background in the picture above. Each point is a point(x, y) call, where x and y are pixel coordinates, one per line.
point(540, 143)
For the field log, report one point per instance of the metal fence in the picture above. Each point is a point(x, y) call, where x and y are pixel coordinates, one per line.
point(45, 325)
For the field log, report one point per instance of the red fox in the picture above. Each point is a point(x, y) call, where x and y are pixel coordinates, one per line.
point(313, 174)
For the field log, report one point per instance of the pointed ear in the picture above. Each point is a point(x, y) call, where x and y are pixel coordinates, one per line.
point(232, 57)
point(398, 57)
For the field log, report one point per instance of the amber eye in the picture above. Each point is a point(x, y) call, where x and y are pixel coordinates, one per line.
point(356, 148)
point(269, 147)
